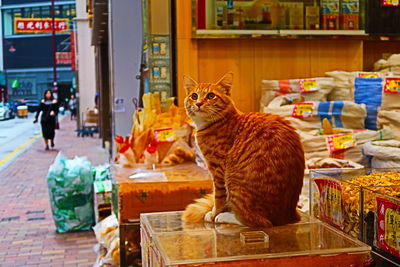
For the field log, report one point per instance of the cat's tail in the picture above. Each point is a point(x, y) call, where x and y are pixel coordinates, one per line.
point(196, 211)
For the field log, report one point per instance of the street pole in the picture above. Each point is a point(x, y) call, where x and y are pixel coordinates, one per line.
point(53, 31)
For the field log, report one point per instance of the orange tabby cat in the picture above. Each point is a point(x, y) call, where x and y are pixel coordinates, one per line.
point(256, 160)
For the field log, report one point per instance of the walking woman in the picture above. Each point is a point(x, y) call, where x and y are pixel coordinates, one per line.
point(49, 109)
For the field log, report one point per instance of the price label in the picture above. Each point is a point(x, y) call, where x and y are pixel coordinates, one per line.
point(388, 234)
point(303, 110)
point(166, 135)
point(338, 142)
point(391, 3)
point(368, 75)
point(392, 86)
point(307, 86)
point(330, 201)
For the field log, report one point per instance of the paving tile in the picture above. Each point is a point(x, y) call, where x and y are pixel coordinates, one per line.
point(28, 235)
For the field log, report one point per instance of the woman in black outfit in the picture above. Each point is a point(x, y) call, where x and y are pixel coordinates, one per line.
point(49, 109)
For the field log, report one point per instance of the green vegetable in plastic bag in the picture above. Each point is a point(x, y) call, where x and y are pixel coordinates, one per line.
point(70, 184)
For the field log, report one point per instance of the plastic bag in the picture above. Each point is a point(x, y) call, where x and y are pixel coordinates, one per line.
point(102, 172)
point(107, 234)
point(70, 184)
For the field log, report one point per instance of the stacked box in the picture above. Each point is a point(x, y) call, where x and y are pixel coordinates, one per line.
point(350, 14)
point(102, 199)
point(330, 14)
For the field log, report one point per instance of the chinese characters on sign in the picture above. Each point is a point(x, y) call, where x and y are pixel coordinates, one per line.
point(338, 142)
point(22, 25)
point(388, 234)
point(391, 3)
point(392, 85)
point(330, 194)
point(303, 110)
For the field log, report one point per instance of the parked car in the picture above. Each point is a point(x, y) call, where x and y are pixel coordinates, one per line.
point(6, 111)
point(33, 104)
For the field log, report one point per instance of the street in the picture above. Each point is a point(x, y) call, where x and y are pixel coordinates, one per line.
point(16, 135)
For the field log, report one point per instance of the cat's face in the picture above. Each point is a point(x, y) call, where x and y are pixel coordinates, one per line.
point(207, 102)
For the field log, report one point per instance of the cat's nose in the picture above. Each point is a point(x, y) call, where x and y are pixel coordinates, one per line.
point(199, 104)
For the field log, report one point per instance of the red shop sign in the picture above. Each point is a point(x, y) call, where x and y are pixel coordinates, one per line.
point(22, 25)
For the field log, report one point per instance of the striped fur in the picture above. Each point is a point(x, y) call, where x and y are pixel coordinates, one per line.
point(256, 159)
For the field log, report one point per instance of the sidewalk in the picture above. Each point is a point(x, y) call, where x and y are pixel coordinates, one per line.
point(28, 235)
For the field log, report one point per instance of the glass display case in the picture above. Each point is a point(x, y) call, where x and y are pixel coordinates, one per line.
point(278, 17)
point(363, 203)
point(167, 241)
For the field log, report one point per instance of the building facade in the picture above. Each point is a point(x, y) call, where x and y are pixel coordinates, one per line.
point(85, 60)
point(28, 48)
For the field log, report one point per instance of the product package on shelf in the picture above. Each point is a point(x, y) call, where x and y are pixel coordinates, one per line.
point(167, 241)
point(350, 14)
point(390, 119)
point(330, 14)
point(345, 145)
point(312, 18)
point(383, 154)
point(363, 203)
point(343, 88)
point(307, 116)
point(311, 89)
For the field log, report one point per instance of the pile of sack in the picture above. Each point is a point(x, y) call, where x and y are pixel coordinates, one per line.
point(339, 114)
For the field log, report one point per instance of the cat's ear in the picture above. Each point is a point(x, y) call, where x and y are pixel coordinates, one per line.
point(225, 83)
point(188, 83)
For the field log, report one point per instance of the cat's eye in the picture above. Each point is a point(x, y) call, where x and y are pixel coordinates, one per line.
point(194, 96)
point(210, 95)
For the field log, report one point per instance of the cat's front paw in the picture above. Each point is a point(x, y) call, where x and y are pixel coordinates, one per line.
point(227, 217)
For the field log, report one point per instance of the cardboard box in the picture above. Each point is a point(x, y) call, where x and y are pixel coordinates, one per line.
point(330, 14)
point(102, 199)
point(312, 18)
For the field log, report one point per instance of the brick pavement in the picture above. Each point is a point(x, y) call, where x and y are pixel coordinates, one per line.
point(28, 235)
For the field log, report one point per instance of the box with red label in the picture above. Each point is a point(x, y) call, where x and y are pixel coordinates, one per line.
point(170, 242)
point(350, 13)
point(350, 22)
point(330, 14)
point(362, 203)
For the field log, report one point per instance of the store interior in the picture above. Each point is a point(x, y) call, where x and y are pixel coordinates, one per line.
point(329, 68)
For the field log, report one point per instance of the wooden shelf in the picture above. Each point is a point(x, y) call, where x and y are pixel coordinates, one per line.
point(324, 32)
point(274, 33)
